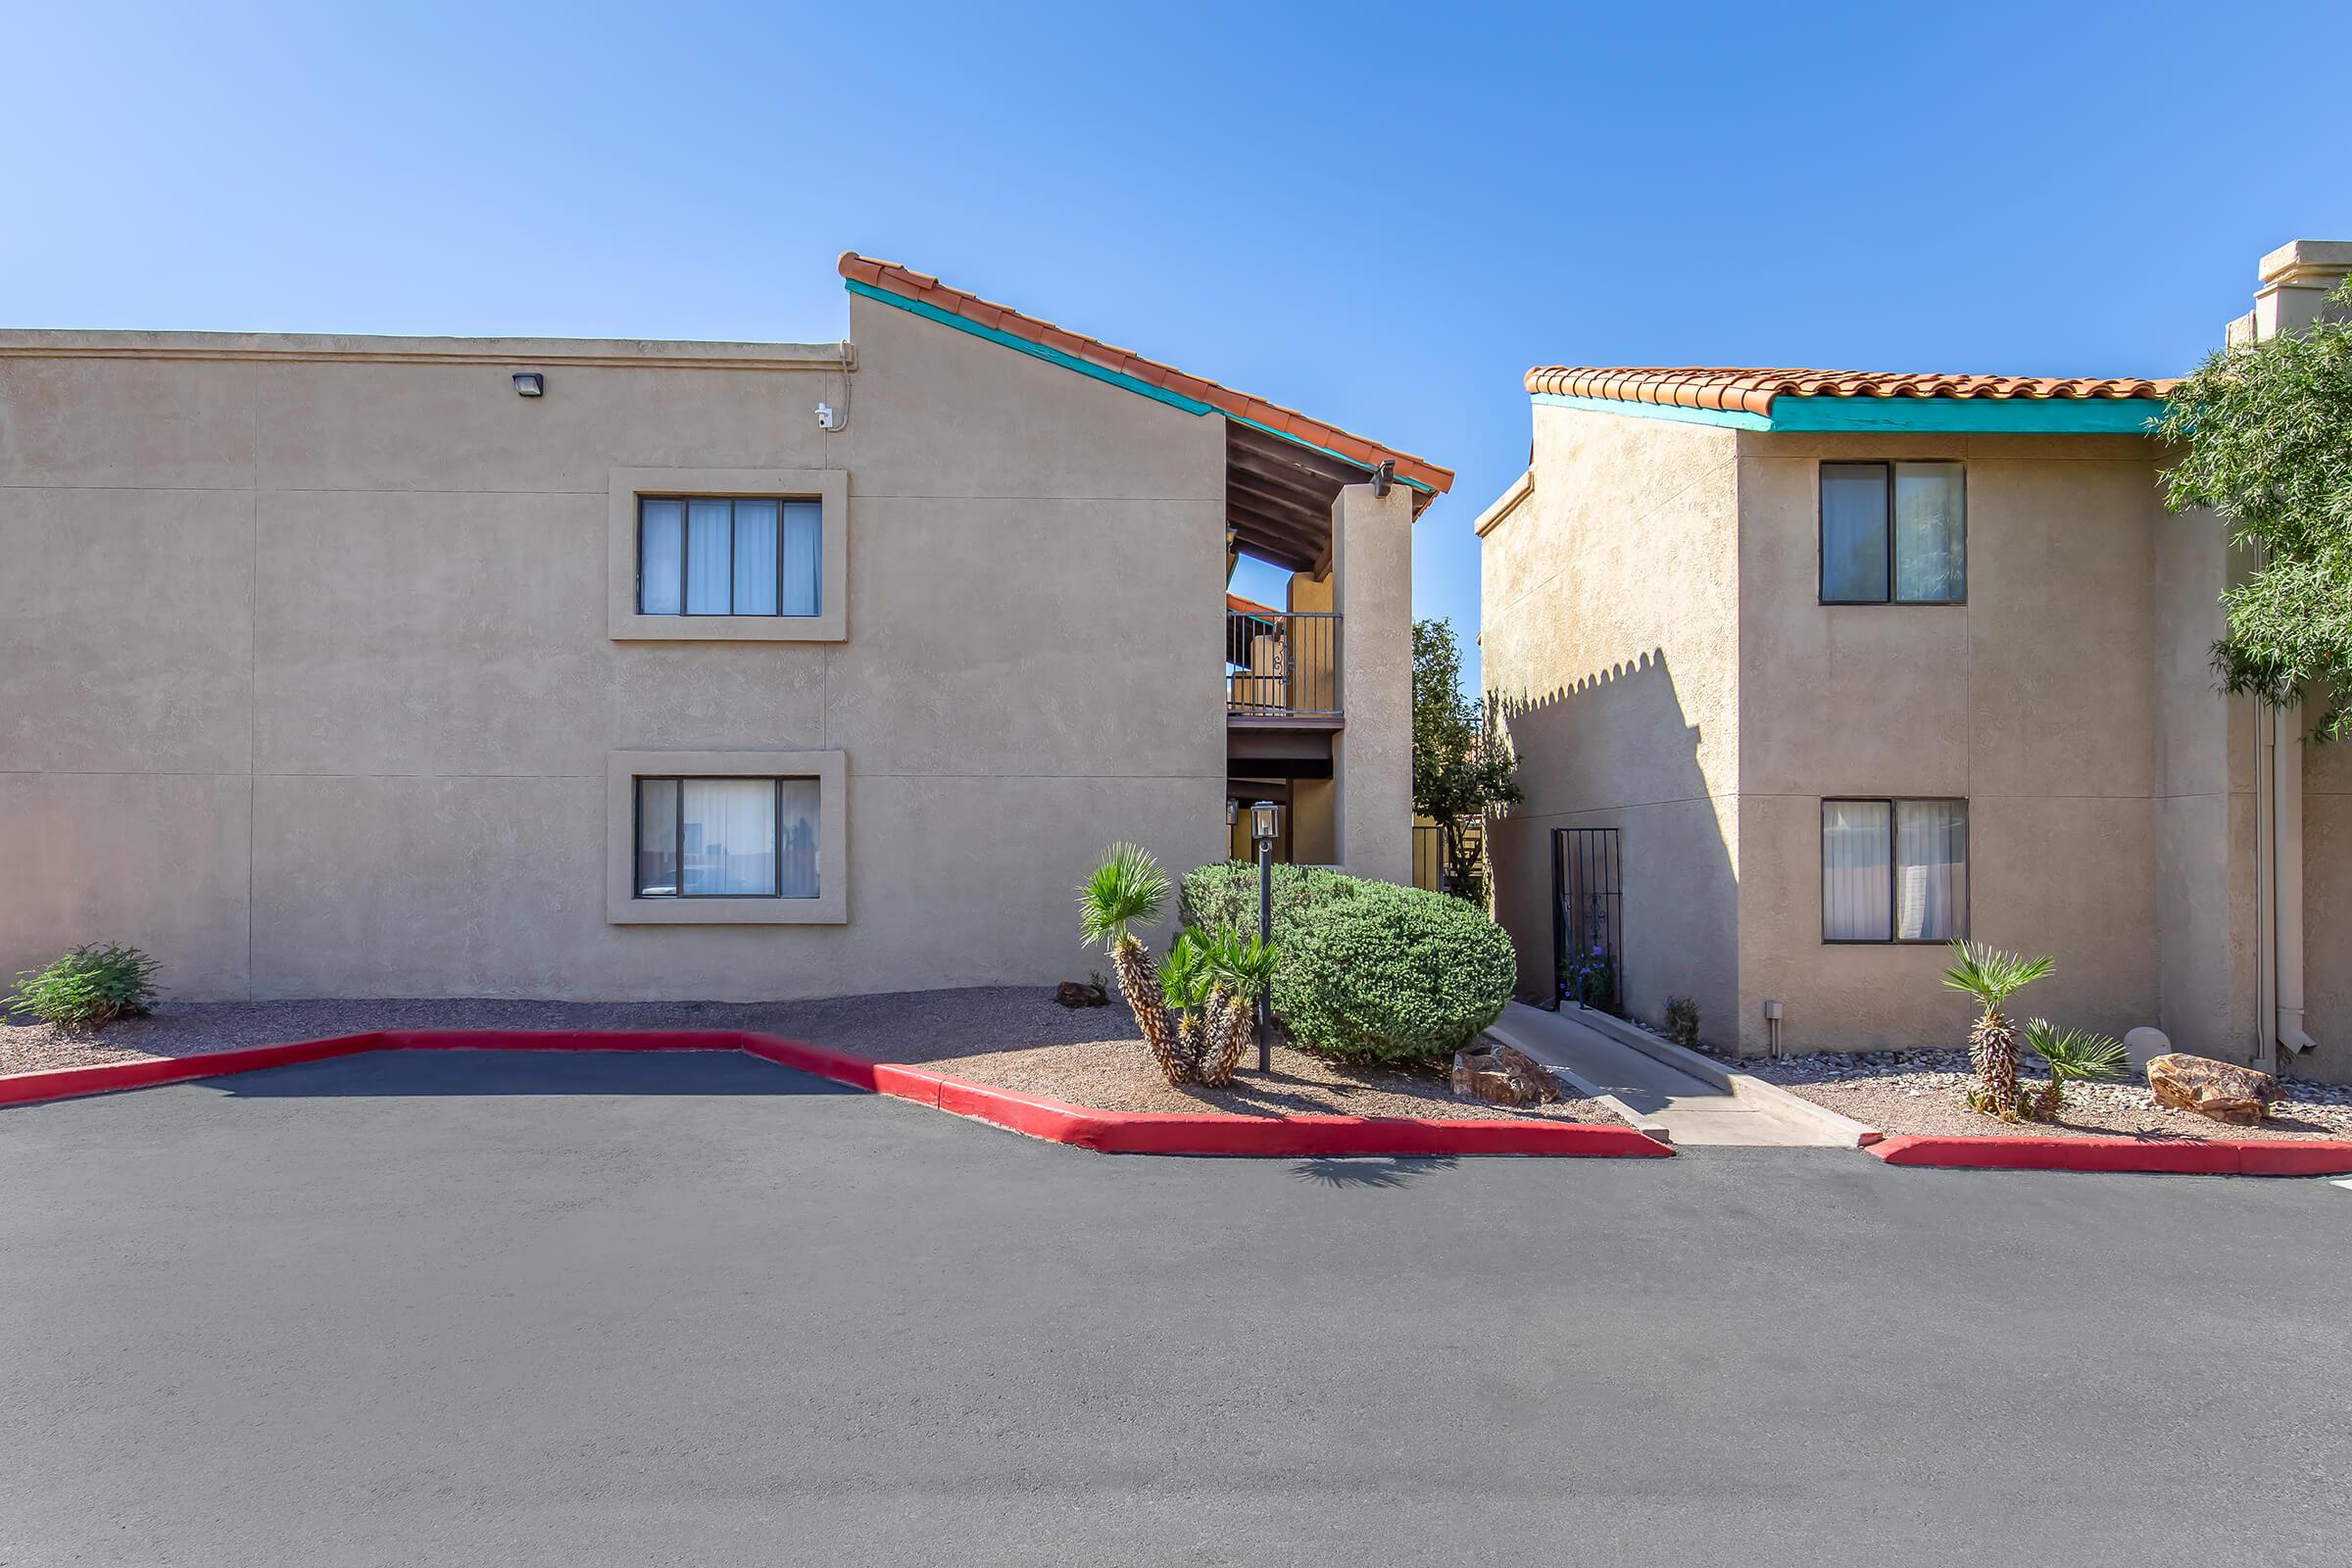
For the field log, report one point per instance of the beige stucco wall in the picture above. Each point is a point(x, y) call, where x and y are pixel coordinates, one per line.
point(1372, 757)
point(1674, 675)
point(2328, 910)
point(306, 681)
point(2037, 702)
point(1609, 628)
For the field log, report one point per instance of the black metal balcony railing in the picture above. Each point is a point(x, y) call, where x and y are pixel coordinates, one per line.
point(1282, 665)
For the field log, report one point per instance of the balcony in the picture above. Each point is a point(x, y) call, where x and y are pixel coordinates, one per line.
point(1281, 667)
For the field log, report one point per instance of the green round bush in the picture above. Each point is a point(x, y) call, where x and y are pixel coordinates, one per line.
point(1367, 971)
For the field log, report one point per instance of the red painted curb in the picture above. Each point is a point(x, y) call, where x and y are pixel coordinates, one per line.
point(1107, 1131)
point(2215, 1157)
point(105, 1077)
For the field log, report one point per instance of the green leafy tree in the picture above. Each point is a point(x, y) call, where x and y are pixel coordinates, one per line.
point(1460, 766)
point(2265, 434)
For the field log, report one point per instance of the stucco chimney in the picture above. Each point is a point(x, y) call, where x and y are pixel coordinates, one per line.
point(2296, 278)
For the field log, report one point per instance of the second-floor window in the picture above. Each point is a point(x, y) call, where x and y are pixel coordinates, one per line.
point(729, 555)
point(1893, 533)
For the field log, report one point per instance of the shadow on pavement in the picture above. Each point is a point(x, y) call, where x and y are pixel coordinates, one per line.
point(1370, 1172)
point(397, 1073)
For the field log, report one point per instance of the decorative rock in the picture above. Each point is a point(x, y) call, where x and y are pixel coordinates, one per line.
point(1080, 994)
point(2144, 1044)
point(1503, 1075)
point(2222, 1090)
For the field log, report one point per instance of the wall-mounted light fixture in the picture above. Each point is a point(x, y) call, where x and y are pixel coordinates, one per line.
point(530, 384)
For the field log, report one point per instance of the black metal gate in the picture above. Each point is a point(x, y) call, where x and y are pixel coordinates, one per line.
point(1587, 918)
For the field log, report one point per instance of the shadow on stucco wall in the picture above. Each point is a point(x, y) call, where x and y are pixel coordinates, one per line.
point(1617, 749)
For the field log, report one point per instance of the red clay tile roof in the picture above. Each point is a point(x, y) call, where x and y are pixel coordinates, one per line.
point(1747, 391)
point(927, 290)
point(1250, 606)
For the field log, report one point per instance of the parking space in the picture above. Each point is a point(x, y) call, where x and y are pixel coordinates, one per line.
point(544, 1308)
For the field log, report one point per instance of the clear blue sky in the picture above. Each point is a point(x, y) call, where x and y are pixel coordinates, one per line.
point(1381, 214)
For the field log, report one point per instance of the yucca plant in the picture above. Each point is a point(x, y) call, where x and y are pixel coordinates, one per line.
point(2073, 1056)
point(1991, 977)
point(1242, 967)
point(1188, 984)
point(1127, 890)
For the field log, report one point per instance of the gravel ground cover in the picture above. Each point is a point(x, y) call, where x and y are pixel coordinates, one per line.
point(1926, 1091)
point(1010, 1037)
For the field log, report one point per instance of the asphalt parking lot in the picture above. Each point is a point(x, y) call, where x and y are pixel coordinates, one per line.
point(492, 1308)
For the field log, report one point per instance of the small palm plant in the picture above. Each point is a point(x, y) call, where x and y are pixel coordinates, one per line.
point(1188, 982)
point(1991, 977)
point(1127, 890)
point(1242, 966)
point(2072, 1055)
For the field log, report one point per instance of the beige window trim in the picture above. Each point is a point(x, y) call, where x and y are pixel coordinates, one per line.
point(830, 487)
point(830, 907)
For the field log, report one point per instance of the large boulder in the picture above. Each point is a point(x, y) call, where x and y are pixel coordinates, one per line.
point(1503, 1075)
point(2222, 1090)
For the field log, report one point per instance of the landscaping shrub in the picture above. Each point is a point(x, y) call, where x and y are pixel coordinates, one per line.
point(1682, 1023)
point(89, 987)
point(1367, 971)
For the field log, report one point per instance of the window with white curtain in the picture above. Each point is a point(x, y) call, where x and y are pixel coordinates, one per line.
point(1893, 533)
point(729, 555)
point(726, 837)
point(1893, 871)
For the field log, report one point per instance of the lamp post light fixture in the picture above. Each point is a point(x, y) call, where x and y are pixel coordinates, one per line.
point(1265, 826)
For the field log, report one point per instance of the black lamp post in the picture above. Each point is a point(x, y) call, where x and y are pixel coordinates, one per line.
point(1265, 826)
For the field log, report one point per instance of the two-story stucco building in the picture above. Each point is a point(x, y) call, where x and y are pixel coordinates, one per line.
point(1810, 672)
point(370, 667)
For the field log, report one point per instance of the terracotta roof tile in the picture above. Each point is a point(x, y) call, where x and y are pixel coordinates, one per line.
point(906, 283)
point(1752, 391)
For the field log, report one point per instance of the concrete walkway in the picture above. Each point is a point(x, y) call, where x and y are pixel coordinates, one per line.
point(1691, 1110)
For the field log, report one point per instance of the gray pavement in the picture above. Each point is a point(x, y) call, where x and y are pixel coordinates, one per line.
point(477, 1307)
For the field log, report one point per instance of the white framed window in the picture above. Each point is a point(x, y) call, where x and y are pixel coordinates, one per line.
point(744, 838)
point(1893, 871)
point(1893, 533)
point(729, 553)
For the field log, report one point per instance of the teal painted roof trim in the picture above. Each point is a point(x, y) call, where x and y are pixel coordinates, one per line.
point(2024, 415)
point(1085, 367)
point(1902, 416)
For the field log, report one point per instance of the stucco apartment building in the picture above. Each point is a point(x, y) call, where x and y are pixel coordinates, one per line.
point(392, 666)
point(1809, 672)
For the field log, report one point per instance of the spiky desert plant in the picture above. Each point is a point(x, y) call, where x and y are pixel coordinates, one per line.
point(1127, 890)
point(2072, 1055)
point(1188, 982)
point(1243, 967)
point(1991, 977)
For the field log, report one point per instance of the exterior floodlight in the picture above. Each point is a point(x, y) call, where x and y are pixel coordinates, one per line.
point(530, 384)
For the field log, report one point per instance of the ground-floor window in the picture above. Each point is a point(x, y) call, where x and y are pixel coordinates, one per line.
point(726, 837)
point(1893, 871)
